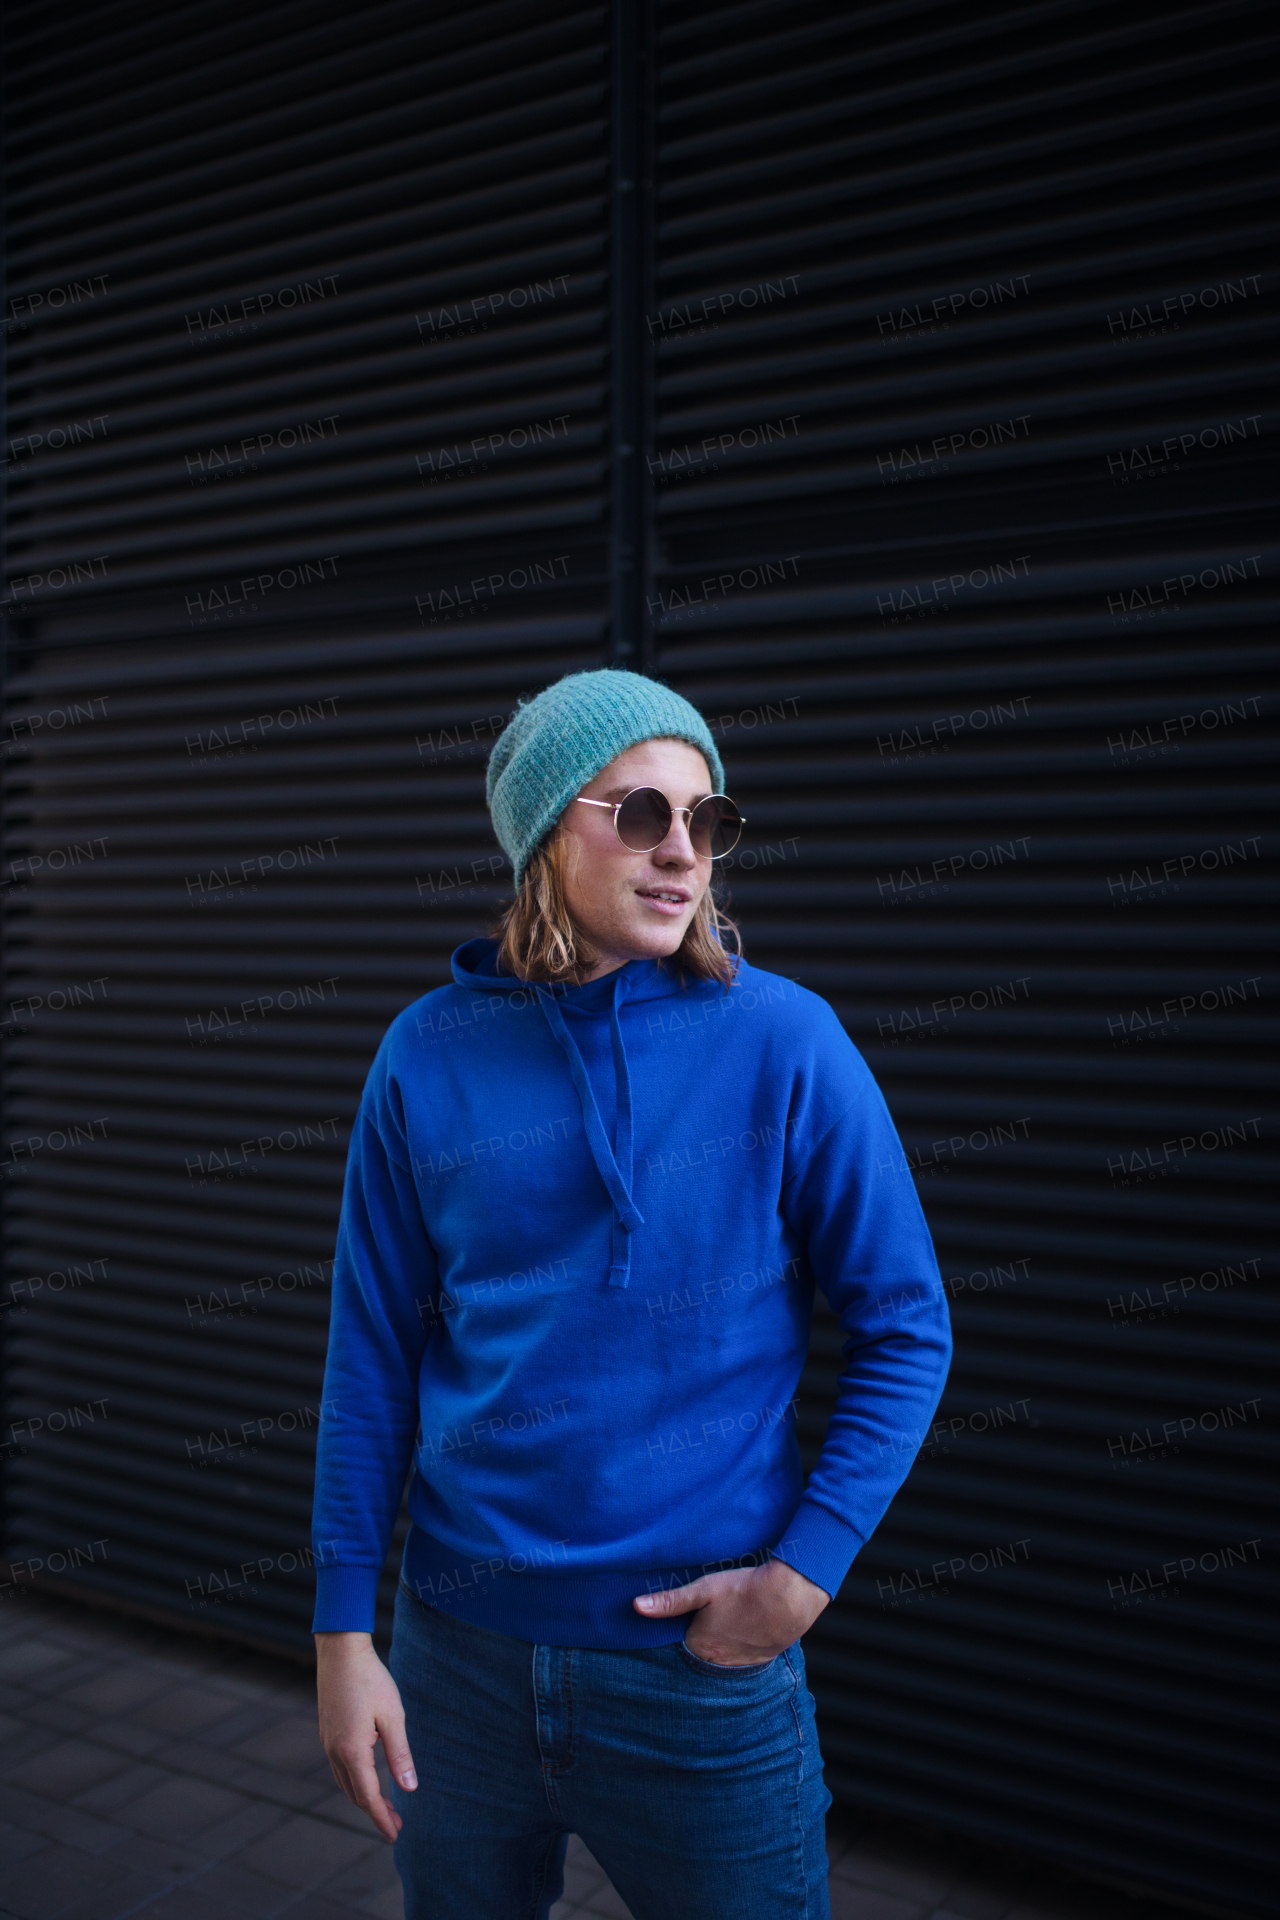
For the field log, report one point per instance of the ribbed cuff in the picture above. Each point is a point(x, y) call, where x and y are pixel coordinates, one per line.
point(819, 1546)
point(345, 1599)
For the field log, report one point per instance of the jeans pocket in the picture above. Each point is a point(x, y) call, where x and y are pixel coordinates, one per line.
point(739, 1674)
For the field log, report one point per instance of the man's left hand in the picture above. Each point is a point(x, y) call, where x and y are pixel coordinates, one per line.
point(743, 1618)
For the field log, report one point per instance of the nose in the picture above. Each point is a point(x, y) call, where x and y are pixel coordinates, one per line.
point(677, 849)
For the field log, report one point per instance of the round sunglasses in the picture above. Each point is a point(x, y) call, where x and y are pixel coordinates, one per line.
point(643, 820)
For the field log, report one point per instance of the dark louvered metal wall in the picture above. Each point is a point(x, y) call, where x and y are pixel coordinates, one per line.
point(965, 350)
point(317, 351)
point(945, 342)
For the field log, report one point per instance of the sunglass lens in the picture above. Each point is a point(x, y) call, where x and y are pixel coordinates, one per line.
point(714, 826)
point(644, 819)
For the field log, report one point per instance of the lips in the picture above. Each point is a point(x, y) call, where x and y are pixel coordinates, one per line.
point(668, 900)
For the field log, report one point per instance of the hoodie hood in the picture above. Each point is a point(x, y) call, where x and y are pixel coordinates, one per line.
point(475, 967)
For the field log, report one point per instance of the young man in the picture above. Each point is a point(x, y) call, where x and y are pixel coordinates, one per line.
point(591, 1188)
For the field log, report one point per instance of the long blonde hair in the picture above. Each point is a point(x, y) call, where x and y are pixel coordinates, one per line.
point(539, 939)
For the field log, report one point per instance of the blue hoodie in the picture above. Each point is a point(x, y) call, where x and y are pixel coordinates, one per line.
point(574, 1276)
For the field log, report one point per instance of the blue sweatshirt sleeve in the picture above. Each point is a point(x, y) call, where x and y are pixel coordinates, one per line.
point(855, 1205)
point(385, 1278)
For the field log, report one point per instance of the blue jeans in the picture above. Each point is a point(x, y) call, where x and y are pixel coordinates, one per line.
point(698, 1788)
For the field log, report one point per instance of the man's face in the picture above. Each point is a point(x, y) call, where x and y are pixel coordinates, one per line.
point(636, 906)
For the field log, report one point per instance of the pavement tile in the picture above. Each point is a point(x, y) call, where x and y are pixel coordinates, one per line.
point(24, 1619)
point(246, 1718)
point(66, 1824)
point(282, 1787)
point(74, 1673)
point(336, 1806)
point(161, 1657)
point(67, 1769)
point(208, 1763)
point(367, 1879)
point(57, 1714)
point(240, 1829)
point(292, 1744)
point(316, 1906)
point(83, 1830)
point(15, 1845)
point(115, 1689)
point(581, 1878)
point(184, 1710)
point(925, 1885)
point(208, 1656)
point(91, 1632)
point(192, 1756)
point(279, 1701)
point(68, 1625)
point(299, 1696)
point(849, 1901)
point(25, 1659)
point(128, 1896)
point(24, 1745)
point(133, 1780)
point(161, 1857)
point(126, 1738)
point(303, 1852)
point(386, 1906)
point(607, 1903)
point(19, 1808)
point(1078, 1900)
point(46, 1884)
point(179, 1903)
point(241, 1891)
point(986, 1895)
point(180, 1808)
point(256, 1674)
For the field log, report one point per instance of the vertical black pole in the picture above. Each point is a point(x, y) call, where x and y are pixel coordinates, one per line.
point(5, 637)
point(629, 351)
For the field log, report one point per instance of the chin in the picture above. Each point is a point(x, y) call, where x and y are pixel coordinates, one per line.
point(660, 942)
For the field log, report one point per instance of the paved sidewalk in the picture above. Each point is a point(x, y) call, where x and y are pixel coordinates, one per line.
point(145, 1772)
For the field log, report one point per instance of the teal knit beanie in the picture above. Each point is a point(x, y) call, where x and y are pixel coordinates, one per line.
point(564, 737)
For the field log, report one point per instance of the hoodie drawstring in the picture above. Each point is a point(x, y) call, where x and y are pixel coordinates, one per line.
point(616, 1172)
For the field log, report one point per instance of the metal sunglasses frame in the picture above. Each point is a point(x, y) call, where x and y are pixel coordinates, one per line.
point(616, 806)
